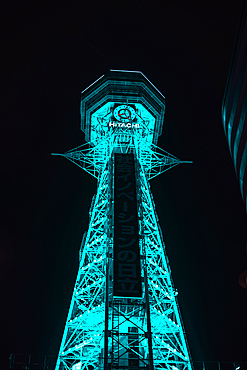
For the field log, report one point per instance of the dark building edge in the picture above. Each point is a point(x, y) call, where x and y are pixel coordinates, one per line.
point(234, 106)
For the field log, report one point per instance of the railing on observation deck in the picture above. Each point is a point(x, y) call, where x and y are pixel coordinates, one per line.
point(37, 362)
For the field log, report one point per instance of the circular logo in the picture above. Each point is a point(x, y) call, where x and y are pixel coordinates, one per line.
point(124, 113)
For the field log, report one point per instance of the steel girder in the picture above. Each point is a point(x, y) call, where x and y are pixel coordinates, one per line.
point(170, 349)
point(96, 320)
point(84, 329)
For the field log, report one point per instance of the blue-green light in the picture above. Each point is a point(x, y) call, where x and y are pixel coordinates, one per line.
point(122, 112)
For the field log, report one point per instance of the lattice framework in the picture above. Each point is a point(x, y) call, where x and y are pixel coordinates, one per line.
point(84, 336)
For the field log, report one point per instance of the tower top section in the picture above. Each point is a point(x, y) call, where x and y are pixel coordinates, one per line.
point(123, 104)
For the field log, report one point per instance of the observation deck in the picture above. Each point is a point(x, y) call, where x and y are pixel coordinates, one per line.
point(125, 104)
point(122, 112)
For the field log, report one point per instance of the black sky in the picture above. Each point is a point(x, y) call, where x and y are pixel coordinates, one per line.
point(50, 53)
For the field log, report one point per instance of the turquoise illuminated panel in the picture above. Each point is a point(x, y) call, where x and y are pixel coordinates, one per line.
point(104, 122)
point(119, 88)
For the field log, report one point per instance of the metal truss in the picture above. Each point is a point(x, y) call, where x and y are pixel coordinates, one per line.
point(169, 345)
point(84, 328)
point(93, 158)
point(144, 333)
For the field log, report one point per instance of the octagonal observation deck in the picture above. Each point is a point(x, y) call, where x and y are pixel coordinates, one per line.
point(122, 103)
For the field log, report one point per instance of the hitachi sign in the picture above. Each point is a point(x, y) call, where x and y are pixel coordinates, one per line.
point(123, 125)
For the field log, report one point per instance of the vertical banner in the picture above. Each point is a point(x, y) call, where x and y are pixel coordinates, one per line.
point(127, 270)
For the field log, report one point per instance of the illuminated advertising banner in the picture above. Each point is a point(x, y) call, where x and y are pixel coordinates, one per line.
point(127, 271)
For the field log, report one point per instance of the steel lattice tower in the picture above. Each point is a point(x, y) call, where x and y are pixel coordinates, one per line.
point(124, 313)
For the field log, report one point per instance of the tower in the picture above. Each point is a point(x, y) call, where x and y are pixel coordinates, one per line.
point(124, 312)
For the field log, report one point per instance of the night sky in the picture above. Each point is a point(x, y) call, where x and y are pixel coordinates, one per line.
point(50, 53)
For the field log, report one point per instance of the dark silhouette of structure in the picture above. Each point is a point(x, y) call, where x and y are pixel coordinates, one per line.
point(234, 106)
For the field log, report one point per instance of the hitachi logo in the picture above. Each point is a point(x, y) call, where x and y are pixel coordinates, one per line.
point(125, 125)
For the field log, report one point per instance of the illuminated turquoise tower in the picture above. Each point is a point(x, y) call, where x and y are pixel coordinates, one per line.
point(124, 312)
